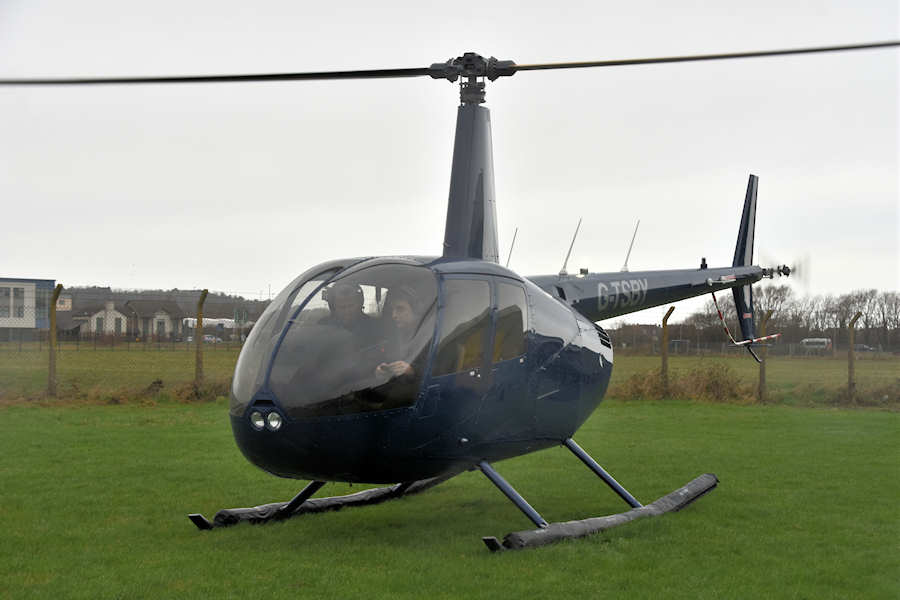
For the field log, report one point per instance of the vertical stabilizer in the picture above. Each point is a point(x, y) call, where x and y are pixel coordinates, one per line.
point(743, 256)
point(471, 227)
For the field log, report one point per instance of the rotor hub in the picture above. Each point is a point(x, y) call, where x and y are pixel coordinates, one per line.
point(469, 68)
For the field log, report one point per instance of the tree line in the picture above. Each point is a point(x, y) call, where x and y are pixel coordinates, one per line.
point(798, 317)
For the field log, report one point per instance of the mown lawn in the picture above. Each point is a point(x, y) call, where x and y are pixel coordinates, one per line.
point(93, 502)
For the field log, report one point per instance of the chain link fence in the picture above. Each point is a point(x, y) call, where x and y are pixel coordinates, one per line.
point(113, 345)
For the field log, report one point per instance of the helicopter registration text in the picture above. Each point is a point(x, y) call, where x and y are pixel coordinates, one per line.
point(621, 293)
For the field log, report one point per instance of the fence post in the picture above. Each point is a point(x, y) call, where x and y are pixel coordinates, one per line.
point(51, 373)
point(198, 339)
point(664, 350)
point(851, 359)
point(763, 351)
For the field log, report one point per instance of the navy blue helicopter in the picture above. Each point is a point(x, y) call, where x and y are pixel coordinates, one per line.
point(408, 370)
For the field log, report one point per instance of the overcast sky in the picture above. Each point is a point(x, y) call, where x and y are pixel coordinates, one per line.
point(238, 187)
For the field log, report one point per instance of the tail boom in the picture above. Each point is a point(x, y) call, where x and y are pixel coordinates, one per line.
point(601, 296)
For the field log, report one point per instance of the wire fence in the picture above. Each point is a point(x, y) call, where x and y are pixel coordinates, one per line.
point(115, 344)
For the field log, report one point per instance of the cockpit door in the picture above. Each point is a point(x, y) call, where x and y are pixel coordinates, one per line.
point(461, 365)
point(507, 413)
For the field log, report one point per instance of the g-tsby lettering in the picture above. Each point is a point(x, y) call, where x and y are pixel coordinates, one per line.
point(622, 293)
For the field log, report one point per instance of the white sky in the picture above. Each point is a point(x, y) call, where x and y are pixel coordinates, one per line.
point(236, 187)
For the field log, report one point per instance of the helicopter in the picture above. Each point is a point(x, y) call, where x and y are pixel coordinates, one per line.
point(408, 370)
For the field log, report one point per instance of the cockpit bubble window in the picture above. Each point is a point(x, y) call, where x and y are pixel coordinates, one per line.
point(465, 323)
point(250, 370)
point(360, 345)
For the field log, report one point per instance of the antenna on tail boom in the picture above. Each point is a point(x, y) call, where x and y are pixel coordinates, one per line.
point(562, 272)
point(630, 246)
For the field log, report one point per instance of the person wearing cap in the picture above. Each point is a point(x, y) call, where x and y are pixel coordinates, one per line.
point(345, 301)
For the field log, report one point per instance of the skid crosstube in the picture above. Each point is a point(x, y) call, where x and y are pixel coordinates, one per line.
point(276, 510)
point(554, 532)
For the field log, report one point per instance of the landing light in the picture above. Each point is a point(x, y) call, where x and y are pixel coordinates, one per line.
point(274, 421)
point(256, 419)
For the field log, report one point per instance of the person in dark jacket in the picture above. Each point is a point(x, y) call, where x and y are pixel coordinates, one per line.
point(403, 352)
point(345, 301)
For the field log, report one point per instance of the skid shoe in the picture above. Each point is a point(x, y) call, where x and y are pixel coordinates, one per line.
point(555, 532)
point(548, 533)
point(302, 503)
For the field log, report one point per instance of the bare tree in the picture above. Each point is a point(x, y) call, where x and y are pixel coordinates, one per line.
point(867, 304)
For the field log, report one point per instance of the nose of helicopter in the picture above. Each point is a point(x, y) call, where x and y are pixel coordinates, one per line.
point(328, 378)
point(370, 449)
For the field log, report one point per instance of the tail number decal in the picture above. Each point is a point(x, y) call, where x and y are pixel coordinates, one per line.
point(623, 293)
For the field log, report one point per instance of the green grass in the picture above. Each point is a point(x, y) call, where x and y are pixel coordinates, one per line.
point(93, 502)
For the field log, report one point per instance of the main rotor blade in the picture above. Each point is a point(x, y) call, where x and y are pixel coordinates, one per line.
point(469, 65)
point(699, 57)
point(365, 74)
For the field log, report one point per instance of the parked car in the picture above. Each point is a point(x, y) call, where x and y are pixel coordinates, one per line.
point(863, 348)
point(816, 345)
point(211, 339)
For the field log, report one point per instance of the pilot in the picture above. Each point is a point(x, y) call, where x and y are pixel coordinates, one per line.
point(345, 301)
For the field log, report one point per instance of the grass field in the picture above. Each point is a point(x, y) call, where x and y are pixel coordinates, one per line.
point(93, 502)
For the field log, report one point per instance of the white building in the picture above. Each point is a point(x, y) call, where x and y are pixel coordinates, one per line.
point(110, 320)
point(24, 305)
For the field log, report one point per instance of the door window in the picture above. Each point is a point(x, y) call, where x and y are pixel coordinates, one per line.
point(465, 323)
point(509, 339)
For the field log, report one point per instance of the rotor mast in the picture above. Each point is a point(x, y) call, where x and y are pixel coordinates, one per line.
point(471, 226)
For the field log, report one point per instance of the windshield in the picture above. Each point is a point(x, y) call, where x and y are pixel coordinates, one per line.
point(251, 366)
point(359, 344)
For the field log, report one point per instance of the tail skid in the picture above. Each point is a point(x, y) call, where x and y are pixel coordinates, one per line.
point(748, 343)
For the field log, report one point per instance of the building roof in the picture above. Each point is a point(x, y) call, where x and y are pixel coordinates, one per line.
point(93, 309)
point(41, 283)
point(65, 321)
point(148, 308)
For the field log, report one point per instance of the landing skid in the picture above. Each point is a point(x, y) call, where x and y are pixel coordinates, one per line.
point(548, 533)
point(302, 503)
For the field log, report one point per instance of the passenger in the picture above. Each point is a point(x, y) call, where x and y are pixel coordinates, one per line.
point(345, 301)
point(405, 316)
